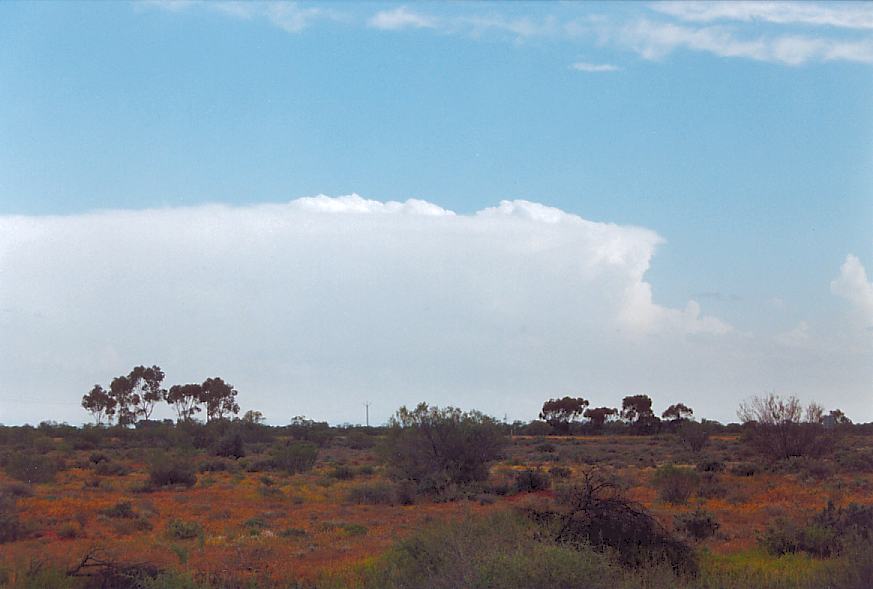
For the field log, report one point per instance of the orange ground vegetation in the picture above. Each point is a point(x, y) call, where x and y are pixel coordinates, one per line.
point(281, 528)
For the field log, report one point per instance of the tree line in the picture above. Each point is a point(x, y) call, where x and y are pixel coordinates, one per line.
point(137, 394)
point(637, 412)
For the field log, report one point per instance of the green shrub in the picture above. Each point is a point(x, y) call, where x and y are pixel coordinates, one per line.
point(184, 530)
point(440, 448)
point(675, 485)
point(171, 469)
point(30, 468)
point(294, 457)
point(501, 551)
point(697, 524)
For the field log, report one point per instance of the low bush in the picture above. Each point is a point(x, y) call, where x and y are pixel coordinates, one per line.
point(294, 457)
point(595, 513)
point(230, 445)
point(675, 485)
point(530, 480)
point(11, 527)
point(440, 448)
point(501, 551)
point(693, 435)
point(827, 534)
point(171, 469)
point(560, 472)
point(711, 466)
point(381, 493)
point(342, 473)
point(746, 469)
point(697, 524)
point(358, 440)
point(122, 509)
point(183, 530)
point(109, 468)
point(30, 467)
point(218, 465)
point(546, 447)
point(16, 489)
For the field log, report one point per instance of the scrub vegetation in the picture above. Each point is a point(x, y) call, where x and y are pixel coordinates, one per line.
point(437, 498)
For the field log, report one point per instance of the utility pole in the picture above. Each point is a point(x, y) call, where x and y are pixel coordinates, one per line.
point(367, 409)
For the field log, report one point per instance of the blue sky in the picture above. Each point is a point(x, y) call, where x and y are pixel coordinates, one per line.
point(742, 134)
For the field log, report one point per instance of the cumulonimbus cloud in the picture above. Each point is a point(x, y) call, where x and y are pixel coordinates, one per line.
point(317, 305)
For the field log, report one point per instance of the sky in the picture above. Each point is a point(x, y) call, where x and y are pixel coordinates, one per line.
point(477, 204)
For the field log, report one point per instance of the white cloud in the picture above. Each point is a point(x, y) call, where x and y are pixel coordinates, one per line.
point(288, 16)
point(312, 306)
point(401, 18)
point(856, 15)
point(583, 66)
point(655, 40)
point(852, 284)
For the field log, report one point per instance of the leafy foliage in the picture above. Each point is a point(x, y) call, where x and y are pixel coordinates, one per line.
point(437, 448)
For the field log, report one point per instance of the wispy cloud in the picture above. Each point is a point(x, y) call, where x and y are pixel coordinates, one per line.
point(402, 18)
point(288, 16)
point(797, 33)
point(583, 66)
point(654, 40)
point(856, 15)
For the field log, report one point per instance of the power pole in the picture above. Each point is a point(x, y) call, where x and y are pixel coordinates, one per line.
point(367, 409)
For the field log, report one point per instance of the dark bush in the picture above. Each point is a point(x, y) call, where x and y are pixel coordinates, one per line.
point(437, 448)
point(11, 528)
point(342, 473)
point(171, 469)
point(560, 472)
point(530, 480)
point(693, 435)
point(230, 445)
point(697, 524)
point(594, 513)
point(675, 485)
point(546, 447)
point(98, 457)
point(745, 469)
point(711, 466)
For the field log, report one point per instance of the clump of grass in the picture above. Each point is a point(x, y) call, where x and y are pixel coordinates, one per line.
point(184, 530)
